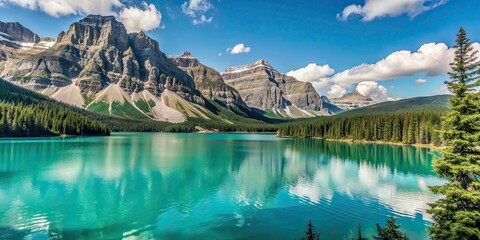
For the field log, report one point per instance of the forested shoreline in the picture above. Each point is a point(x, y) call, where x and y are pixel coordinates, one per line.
point(406, 127)
point(24, 113)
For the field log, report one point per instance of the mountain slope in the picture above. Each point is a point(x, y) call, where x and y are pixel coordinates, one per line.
point(15, 35)
point(431, 103)
point(25, 113)
point(264, 88)
point(210, 83)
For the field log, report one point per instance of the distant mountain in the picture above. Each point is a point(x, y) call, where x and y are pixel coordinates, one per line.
point(431, 103)
point(352, 101)
point(15, 35)
point(263, 87)
point(209, 82)
point(334, 109)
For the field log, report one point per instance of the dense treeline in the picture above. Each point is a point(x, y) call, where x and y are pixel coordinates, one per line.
point(19, 120)
point(192, 125)
point(24, 113)
point(259, 127)
point(409, 127)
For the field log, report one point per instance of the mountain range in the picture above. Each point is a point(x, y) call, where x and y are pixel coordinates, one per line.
point(263, 87)
point(98, 66)
point(352, 100)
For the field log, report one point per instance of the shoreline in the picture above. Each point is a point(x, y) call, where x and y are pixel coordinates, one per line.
point(417, 145)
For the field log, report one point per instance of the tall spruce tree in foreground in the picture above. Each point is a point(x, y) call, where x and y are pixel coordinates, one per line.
point(457, 214)
point(390, 231)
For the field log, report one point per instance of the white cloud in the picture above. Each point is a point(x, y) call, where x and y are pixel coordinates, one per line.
point(145, 17)
point(431, 59)
point(373, 9)
point(336, 91)
point(420, 81)
point(202, 20)
point(312, 72)
point(141, 19)
point(315, 74)
point(57, 8)
point(239, 48)
point(373, 90)
point(197, 9)
point(219, 54)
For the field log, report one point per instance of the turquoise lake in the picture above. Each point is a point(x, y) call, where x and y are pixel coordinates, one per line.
point(204, 186)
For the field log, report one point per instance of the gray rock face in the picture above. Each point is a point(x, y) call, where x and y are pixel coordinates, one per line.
point(95, 30)
point(14, 31)
point(96, 52)
point(352, 101)
point(209, 82)
point(263, 87)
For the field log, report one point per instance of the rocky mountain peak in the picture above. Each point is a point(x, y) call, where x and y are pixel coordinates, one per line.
point(187, 54)
point(96, 30)
point(354, 96)
point(97, 20)
point(16, 32)
point(209, 82)
point(325, 99)
point(141, 34)
point(185, 60)
point(263, 87)
point(352, 100)
point(258, 65)
point(262, 62)
point(141, 41)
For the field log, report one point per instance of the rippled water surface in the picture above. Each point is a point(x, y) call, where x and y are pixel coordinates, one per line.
point(204, 186)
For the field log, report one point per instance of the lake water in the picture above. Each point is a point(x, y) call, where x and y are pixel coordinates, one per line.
point(204, 186)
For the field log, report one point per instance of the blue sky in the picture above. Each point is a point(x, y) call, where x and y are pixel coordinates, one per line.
point(291, 35)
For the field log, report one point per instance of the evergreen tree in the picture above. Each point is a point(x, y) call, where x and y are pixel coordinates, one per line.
point(310, 234)
point(390, 232)
point(359, 237)
point(401, 126)
point(457, 214)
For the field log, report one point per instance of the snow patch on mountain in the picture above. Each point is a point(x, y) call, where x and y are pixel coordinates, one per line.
point(257, 64)
point(7, 40)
